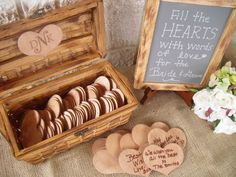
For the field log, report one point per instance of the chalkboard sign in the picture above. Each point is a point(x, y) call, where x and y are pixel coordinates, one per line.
point(183, 42)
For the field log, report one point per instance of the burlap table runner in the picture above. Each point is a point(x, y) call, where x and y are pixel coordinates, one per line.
point(206, 154)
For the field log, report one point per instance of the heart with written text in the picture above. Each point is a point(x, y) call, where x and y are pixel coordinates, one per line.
point(163, 160)
point(161, 138)
point(40, 44)
point(131, 161)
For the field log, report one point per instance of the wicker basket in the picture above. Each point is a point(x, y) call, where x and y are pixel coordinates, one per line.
point(78, 60)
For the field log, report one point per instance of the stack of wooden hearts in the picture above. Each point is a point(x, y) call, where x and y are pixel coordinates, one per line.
point(79, 105)
point(140, 151)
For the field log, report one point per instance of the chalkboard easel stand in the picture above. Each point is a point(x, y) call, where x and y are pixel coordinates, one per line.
point(149, 93)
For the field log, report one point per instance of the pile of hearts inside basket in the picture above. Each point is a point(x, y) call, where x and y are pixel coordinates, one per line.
point(78, 106)
point(140, 151)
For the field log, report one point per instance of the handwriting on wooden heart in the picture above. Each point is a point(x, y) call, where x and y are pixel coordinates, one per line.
point(161, 138)
point(32, 43)
point(163, 160)
point(131, 161)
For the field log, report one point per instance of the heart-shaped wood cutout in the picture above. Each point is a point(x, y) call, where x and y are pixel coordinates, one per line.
point(140, 134)
point(113, 144)
point(160, 125)
point(131, 161)
point(30, 129)
point(161, 138)
point(32, 43)
point(127, 142)
point(99, 144)
point(163, 160)
point(106, 163)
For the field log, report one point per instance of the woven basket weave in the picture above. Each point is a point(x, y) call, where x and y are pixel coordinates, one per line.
point(78, 60)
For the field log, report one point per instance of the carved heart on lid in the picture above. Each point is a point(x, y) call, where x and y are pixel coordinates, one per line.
point(40, 44)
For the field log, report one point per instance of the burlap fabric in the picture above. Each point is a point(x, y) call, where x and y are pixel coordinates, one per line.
point(206, 154)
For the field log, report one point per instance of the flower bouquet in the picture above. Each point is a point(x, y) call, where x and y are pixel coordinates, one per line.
point(217, 102)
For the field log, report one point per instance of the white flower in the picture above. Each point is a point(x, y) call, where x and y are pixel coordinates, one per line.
point(226, 126)
point(221, 99)
point(203, 99)
point(200, 112)
point(218, 104)
point(217, 115)
point(231, 113)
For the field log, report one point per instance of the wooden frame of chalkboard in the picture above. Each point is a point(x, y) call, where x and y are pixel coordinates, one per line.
point(217, 49)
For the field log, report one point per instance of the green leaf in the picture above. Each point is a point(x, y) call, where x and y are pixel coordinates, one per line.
point(218, 73)
point(233, 79)
point(223, 86)
point(194, 90)
point(234, 92)
point(210, 88)
point(233, 118)
point(225, 70)
point(216, 123)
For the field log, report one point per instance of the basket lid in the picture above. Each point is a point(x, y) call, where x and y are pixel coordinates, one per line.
point(82, 41)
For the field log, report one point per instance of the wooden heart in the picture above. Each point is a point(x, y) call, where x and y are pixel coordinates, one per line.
point(30, 132)
point(127, 142)
point(32, 43)
point(160, 125)
point(140, 134)
point(131, 161)
point(106, 163)
point(161, 138)
point(163, 160)
point(113, 144)
point(99, 144)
